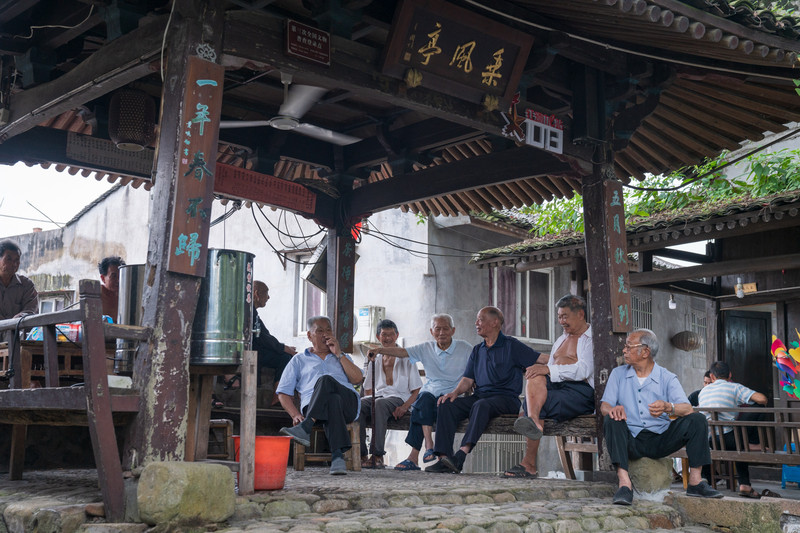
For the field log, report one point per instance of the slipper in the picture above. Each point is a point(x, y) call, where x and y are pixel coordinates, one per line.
point(770, 494)
point(429, 455)
point(216, 403)
point(750, 494)
point(406, 465)
point(231, 383)
point(526, 426)
point(518, 471)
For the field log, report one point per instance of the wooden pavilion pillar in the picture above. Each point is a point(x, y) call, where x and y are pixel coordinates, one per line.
point(180, 209)
point(606, 252)
point(341, 283)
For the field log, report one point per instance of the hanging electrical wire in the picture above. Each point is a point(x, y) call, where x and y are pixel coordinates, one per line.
point(373, 227)
point(689, 181)
point(302, 236)
point(227, 214)
point(266, 239)
point(421, 253)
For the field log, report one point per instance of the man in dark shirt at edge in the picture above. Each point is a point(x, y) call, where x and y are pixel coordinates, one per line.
point(495, 368)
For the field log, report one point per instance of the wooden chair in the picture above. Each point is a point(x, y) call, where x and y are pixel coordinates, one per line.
point(315, 455)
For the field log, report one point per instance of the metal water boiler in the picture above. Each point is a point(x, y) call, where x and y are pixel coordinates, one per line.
point(224, 317)
point(129, 313)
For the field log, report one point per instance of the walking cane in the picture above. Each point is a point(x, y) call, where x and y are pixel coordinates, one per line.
point(372, 444)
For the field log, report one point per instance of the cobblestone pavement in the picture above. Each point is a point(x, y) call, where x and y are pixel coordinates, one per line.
point(385, 500)
point(371, 500)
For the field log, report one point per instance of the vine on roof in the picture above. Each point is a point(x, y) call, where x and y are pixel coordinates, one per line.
point(766, 174)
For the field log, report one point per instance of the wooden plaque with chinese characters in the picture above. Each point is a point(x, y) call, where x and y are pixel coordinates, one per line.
point(456, 50)
point(618, 262)
point(196, 166)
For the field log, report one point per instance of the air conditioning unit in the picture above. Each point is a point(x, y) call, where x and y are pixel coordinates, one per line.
point(367, 318)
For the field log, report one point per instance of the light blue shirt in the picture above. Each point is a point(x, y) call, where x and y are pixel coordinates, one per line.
point(623, 389)
point(443, 368)
point(722, 393)
point(303, 371)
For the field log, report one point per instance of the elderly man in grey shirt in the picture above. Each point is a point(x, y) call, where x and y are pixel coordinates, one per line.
point(18, 296)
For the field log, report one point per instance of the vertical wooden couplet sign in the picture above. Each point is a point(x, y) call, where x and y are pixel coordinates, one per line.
point(341, 282)
point(191, 215)
point(618, 261)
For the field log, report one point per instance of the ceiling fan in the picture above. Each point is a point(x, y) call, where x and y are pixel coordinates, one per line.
point(296, 102)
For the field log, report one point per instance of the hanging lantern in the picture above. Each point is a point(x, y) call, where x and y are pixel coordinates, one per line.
point(131, 120)
point(687, 340)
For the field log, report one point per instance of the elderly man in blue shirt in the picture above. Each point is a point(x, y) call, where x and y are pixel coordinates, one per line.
point(325, 377)
point(444, 359)
point(647, 414)
point(495, 368)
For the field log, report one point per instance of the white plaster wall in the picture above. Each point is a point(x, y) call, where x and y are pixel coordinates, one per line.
point(115, 226)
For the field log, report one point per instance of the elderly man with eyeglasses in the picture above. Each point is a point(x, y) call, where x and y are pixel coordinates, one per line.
point(647, 414)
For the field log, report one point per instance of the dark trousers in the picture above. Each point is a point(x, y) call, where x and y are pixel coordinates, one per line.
point(479, 411)
point(272, 359)
point(690, 431)
point(423, 413)
point(742, 469)
point(335, 406)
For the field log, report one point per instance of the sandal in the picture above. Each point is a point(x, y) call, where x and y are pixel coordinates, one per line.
point(429, 456)
point(406, 465)
point(750, 494)
point(231, 383)
point(518, 471)
point(216, 403)
point(770, 494)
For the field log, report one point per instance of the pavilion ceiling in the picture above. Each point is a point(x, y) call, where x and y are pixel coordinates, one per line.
point(682, 80)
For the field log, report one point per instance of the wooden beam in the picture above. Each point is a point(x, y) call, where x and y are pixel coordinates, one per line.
point(683, 255)
point(118, 63)
point(761, 264)
point(160, 431)
point(458, 176)
point(258, 38)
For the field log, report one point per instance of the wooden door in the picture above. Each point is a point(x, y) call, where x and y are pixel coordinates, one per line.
point(745, 347)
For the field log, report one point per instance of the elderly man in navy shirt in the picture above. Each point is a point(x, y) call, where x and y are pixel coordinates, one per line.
point(495, 368)
point(647, 414)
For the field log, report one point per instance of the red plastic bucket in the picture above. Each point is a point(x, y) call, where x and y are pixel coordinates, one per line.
point(272, 456)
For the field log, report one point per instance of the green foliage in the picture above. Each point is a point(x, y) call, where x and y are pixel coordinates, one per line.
point(766, 174)
point(421, 218)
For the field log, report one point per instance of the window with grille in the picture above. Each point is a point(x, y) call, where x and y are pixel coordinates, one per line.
point(642, 311)
point(526, 300)
point(698, 325)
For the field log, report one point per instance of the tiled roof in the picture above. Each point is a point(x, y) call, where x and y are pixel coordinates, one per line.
point(695, 222)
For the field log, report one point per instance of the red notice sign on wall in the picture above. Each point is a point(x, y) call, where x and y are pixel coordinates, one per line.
point(308, 42)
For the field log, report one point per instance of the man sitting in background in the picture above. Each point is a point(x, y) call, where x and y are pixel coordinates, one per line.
point(722, 392)
point(18, 296)
point(109, 285)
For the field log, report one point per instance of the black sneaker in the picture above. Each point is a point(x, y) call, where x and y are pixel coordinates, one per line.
point(439, 467)
point(623, 496)
point(298, 434)
point(703, 490)
point(450, 463)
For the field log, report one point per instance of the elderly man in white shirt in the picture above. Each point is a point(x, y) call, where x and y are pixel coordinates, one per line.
point(397, 384)
point(560, 385)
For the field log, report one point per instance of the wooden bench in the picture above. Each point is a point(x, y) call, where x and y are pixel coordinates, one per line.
point(581, 427)
point(779, 430)
point(93, 404)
